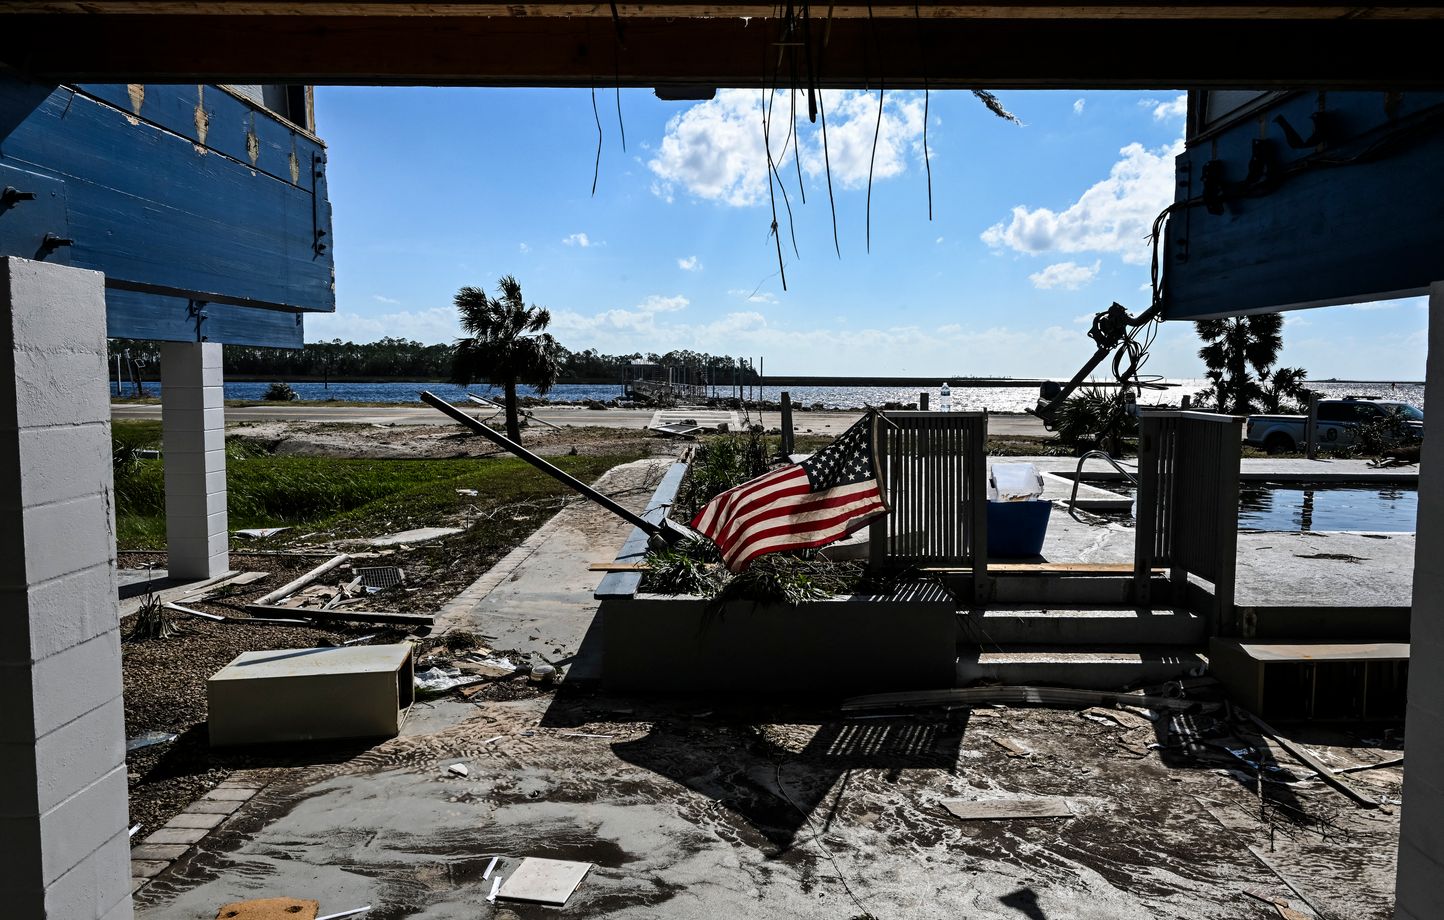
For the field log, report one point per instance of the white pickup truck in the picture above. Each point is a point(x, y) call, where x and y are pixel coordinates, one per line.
point(1338, 427)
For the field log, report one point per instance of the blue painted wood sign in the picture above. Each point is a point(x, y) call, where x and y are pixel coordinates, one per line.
point(1305, 199)
point(207, 213)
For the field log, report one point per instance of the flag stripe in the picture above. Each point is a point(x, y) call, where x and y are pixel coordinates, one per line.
point(791, 532)
point(813, 539)
point(800, 510)
point(801, 506)
point(724, 505)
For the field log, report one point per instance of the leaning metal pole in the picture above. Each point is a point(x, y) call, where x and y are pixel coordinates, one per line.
point(500, 440)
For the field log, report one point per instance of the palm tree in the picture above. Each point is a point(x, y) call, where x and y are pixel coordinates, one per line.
point(1239, 354)
point(505, 345)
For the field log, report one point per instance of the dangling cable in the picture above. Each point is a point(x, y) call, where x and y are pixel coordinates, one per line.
point(597, 167)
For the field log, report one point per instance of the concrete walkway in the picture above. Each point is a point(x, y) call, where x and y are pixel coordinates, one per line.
point(538, 599)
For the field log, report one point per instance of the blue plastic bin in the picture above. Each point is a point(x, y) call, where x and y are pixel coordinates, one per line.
point(1016, 529)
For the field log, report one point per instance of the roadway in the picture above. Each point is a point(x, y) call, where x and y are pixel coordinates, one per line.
point(803, 422)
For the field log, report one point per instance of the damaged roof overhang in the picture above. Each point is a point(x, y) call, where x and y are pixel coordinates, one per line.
point(945, 45)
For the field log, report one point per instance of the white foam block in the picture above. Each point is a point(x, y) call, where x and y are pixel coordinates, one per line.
point(545, 881)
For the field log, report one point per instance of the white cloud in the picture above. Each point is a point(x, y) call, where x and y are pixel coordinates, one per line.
point(1114, 215)
point(1372, 306)
point(1068, 275)
point(580, 239)
point(714, 150)
point(689, 264)
point(756, 296)
point(381, 299)
point(1177, 107)
point(524, 248)
point(1078, 106)
point(656, 303)
point(939, 240)
point(908, 349)
point(437, 324)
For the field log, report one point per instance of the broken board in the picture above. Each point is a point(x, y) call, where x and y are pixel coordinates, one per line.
point(1004, 809)
point(270, 909)
point(544, 881)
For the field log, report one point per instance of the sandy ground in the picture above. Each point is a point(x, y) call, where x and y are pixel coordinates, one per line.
point(410, 442)
point(699, 809)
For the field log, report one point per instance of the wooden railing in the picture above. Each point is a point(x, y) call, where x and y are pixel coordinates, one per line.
point(1188, 504)
point(934, 466)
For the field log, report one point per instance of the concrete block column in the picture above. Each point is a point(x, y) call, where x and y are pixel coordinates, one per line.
point(1418, 894)
point(193, 427)
point(64, 850)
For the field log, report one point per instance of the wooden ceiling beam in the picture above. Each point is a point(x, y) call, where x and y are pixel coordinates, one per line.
point(526, 51)
point(907, 9)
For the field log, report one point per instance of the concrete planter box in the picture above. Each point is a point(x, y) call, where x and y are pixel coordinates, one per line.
point(828, 648)
point(832, 647)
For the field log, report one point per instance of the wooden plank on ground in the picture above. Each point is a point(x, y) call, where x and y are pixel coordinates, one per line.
point(1312, 762)
point(353, 616)
point(1006, 809)
point(619, 567)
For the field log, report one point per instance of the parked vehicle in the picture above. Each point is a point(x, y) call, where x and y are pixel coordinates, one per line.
point(1340, 421)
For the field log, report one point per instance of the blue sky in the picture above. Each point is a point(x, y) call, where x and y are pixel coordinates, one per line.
point(1035, 228)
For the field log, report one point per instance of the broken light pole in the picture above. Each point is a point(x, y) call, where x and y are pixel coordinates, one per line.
point(668, 533)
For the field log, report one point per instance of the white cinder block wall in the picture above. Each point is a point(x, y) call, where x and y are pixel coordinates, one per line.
point(64, 851)
point(1419, 896)
point(193, 428)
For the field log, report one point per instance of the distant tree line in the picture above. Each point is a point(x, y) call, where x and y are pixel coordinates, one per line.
point(403, 359)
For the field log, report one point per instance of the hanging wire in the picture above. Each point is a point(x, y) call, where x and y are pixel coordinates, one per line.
point(597, 167)
point(923, 59)
point(877, 129)
point(767, 149)
point(827, 167)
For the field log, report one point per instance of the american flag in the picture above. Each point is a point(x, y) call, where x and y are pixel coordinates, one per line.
point(812, 503)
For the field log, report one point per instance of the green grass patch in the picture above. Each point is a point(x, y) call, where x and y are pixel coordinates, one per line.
point(349, 498)
point(138, 434)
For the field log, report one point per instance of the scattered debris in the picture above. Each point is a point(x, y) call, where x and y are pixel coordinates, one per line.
point(489, 868)
point(584, 735)
point(1013, 748)
point(460, 769)
point(147, 739)
point(468, 493)
point(379, 578)
point(967, 697)
point(286, 590)
point(1120, 717)
point(1281, 905)
point(134, 829)
point(259, 533)
point(1396, 762)
point(545, 881)
point(213, 617)
point(1001, 809)
point(355, 616)
point(487, 666)
point(1258, 854)
point(439, 680)
point(1309, 760)
point(410, 537)
point(495, 887)
point(543, 674)
point(346, 913)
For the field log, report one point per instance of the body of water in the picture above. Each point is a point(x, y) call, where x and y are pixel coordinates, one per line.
point(1270, 506)
point(994, 399)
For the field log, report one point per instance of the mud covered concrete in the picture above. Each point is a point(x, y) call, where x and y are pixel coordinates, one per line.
point(690, 813)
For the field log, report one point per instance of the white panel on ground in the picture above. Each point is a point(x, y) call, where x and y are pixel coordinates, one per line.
point(64, 850)
point(193, 430)
point(1418, 895)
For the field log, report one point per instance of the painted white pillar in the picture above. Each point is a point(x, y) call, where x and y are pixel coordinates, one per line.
point(193, 429)
point(64, 850)
point(1418, 894)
